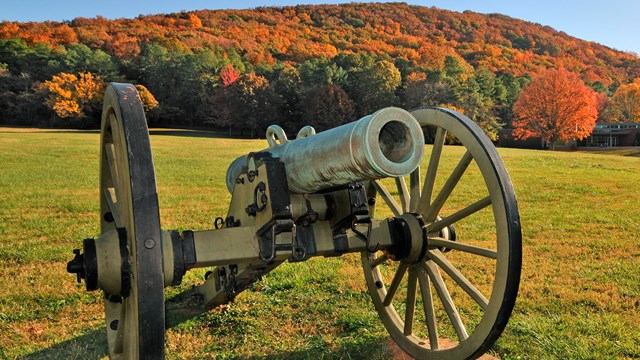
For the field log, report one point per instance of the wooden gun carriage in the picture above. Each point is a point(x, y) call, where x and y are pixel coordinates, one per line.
point(324, 194)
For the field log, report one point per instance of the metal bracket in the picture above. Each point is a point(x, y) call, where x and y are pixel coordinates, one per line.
point(269, 247)
point(358, 213)
point(366, 238)
point(230, 285)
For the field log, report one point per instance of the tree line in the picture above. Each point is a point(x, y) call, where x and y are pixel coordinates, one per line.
point(218, 88)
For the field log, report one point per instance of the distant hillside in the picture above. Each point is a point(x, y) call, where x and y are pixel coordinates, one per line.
point(421, 35)
point(242, 70)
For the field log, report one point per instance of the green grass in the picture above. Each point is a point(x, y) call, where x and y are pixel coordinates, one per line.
point(580, 289)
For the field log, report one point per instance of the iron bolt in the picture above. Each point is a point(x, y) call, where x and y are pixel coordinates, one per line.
point(149, 243)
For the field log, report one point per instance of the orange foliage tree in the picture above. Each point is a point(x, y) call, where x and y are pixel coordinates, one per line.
point(557, 105)
point(625, 104)
point(74, 96)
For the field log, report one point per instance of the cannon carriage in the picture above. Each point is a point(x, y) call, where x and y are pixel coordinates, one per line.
point(430, 272)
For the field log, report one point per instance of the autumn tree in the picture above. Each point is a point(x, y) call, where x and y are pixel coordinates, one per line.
point(557, 105)
point(228, 75)
point(75, 97)
point(625, 104)
point(149, 102)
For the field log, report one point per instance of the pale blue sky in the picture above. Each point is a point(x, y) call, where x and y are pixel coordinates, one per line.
point(613, 23)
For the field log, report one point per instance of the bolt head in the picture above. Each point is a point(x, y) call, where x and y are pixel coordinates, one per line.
point(149, 243)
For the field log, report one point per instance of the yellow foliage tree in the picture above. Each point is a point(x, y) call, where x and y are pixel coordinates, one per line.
point(73, 96)
point(625, 104)
point(149, 102)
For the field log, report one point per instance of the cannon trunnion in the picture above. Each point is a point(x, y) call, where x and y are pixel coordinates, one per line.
point(441, 259)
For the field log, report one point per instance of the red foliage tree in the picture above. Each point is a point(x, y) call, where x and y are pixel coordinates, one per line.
point(557, 105)
point(228, 75)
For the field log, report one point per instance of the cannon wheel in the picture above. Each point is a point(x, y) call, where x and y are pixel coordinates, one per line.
point(469, 276)
point(135, 317)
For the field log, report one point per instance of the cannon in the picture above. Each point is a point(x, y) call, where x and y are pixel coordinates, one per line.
point(441, 259)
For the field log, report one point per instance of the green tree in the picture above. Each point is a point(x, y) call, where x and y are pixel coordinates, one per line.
point(20, 101)
point(80, 58)
point(159, 73)
point(375, 87)
point(420, 90)
point(327, 106)
point(287, 85)
point(479, 106)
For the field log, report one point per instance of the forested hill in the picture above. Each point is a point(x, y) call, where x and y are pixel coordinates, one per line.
point(345, 41)
point(418, 34)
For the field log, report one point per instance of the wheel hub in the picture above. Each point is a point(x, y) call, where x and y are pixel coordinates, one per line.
point(104, 263)
point(409, 237)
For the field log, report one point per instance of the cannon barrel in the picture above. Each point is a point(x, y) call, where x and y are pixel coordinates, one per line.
point(386, 143)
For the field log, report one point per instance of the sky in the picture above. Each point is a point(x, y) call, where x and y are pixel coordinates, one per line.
point(613, 23)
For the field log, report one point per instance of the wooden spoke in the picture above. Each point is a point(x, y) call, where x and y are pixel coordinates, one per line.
point(117, 180)
point(459, 215)
point(448, 187)
point(411, 301)
point(121, 332)
point(391, 202)
point(113, 312)
point(432, 170)
point(444, 243)
point(459, 278)
point(427, 304)
point(395, 283)
point(414, 188)
point(111, 199)
point(404, 193)
point(117, 137)
point(379, 260)
point(449, 306)
point(109, 150)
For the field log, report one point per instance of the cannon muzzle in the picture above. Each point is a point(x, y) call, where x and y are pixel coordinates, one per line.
point(387, 143)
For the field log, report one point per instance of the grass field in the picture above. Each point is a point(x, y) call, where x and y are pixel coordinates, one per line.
point(580, 288)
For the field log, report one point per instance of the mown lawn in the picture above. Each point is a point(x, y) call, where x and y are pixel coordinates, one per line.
point(580, 289)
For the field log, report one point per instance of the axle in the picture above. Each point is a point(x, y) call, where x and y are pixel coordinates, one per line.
point(402, 238)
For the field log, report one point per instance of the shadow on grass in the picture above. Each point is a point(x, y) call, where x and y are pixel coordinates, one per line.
point(18, 130)
point(189, 133)
point(184, 307)
point(93, 345)
point(155, 132)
